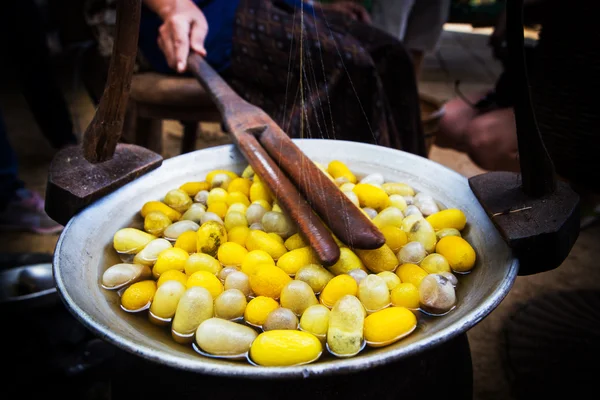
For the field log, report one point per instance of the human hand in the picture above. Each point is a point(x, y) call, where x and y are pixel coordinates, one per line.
point(350, 9)
point(184, 27)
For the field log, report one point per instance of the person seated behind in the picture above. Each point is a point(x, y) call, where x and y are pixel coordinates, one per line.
point(482, 124)
point(357, 82)
point(563, 72)
point(23, 42)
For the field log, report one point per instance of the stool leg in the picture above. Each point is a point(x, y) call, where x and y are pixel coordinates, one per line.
point(190, 133)
point(148, 134)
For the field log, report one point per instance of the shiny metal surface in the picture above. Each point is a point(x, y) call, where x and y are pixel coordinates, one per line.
point(85, 250)
point(27, 286)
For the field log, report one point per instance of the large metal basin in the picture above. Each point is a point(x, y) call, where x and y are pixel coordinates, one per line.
point(85, 250)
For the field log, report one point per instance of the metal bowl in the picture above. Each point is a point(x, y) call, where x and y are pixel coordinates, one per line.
point(27, 287)
point(84, 251)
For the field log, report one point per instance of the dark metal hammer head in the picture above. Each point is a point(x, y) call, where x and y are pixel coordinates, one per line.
point(74, 182)
point(540, 230)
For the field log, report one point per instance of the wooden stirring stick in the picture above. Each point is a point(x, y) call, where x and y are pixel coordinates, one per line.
point(246, 123)
point(312, 228)
point(243, 121)
point(344, 219)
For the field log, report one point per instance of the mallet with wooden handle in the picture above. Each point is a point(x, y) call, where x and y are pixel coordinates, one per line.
point(80, 175)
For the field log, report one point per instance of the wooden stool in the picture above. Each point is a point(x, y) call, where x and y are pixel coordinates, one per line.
point(155, 97)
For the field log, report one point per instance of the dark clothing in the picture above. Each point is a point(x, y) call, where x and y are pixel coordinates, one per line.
point(24, 50)
point(563, 75)
point(358, 82)
point(26, 58)
point(9, 183)
point(565, 89)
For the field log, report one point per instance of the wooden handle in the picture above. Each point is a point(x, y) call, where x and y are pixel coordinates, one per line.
point(238, 115)
point(102, 134)
point(311, 227)
point(243, 120)
point(344, 219)
point(537, 169)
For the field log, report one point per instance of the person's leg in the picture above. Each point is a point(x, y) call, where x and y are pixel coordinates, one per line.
point(20, 208)
point(392, 16)
point(424, 28)
point(31, 64)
